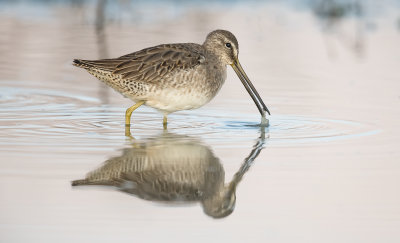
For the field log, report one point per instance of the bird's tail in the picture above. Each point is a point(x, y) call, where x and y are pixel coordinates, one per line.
point(81, 63)
point(80, 182)
point(87, 182)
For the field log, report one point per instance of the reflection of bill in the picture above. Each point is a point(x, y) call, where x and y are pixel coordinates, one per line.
point(173, 168)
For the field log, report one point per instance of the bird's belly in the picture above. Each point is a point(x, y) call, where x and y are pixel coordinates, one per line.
point(184, 90)
point(170, 99)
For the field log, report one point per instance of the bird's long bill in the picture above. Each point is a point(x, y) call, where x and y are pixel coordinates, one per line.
point(250, 88)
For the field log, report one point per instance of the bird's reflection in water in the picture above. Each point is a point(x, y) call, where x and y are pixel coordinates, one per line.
point(174, 168)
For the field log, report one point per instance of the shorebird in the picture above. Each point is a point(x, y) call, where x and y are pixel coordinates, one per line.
point(173, 169)
point(174, 77)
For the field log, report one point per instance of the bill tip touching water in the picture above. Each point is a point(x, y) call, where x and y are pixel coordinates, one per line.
point(264, 121)
point(174, 77)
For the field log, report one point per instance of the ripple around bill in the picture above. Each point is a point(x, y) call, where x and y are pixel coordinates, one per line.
point(284, 130)
point(34, 117)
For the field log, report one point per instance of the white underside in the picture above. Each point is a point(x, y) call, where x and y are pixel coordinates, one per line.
point(170, 100)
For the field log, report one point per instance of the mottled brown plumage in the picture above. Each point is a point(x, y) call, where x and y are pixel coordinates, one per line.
point(149, 65)
point(173, 77)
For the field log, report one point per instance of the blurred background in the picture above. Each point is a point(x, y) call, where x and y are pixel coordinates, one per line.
point(328, 70)
point(315, 39)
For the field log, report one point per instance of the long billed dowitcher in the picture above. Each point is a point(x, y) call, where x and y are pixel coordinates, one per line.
point(174, 77)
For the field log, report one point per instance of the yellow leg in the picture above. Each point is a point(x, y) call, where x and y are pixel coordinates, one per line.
point(129, 111)
point(128, 132)
point(165, 122)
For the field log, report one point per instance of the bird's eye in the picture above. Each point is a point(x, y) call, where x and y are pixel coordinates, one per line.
point(228, 45)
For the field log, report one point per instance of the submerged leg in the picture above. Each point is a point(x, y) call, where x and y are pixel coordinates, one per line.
point(165, 122)
point(129, 111)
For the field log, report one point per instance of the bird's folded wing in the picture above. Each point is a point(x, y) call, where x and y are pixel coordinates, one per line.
point(151, 64)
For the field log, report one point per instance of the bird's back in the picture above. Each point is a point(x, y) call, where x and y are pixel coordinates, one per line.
point(150, 65)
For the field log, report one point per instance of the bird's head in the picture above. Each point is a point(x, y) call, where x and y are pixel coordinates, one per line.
point(224, 45)
point(222, 203)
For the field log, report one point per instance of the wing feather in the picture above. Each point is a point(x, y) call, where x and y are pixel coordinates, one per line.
point(151, 64)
